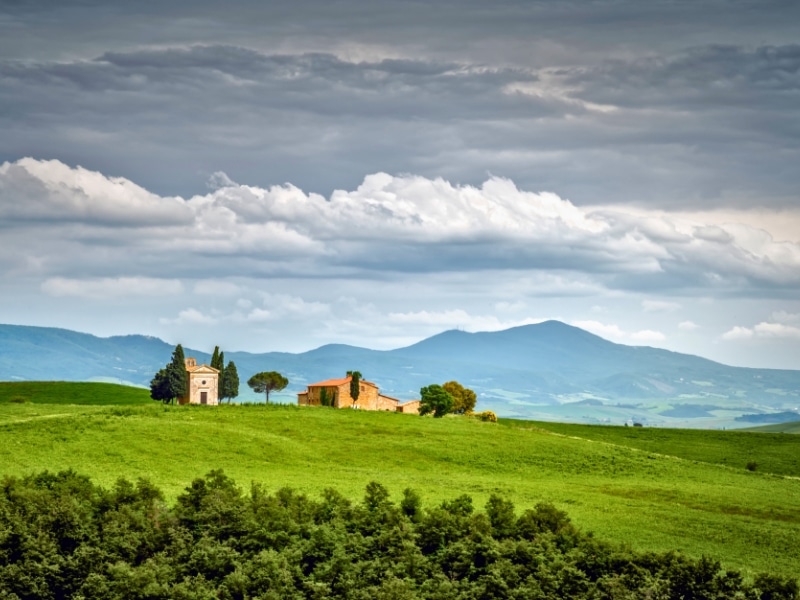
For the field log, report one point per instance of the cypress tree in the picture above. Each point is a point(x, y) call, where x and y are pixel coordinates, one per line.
point(176, 373)
point(221, 380)
point(230, 382)
point(218, 363)
point(215, 359)
point(355, 379)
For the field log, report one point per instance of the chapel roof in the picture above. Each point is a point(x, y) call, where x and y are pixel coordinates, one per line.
point(202, 369)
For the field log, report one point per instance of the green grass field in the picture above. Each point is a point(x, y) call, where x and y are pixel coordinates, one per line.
point(71, 392)
point(776, 453)
point(652, 489)
point(793, 427)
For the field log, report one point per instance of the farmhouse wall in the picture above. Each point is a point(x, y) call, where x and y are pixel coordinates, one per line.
point(387, 403)
point(411, 407)
point(367, 396)
point(331, 389)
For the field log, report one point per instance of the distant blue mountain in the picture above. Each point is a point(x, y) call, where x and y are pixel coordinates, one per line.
point(547, 370)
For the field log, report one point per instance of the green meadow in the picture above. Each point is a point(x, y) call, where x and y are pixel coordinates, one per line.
point(651, 489)
point(71, 392)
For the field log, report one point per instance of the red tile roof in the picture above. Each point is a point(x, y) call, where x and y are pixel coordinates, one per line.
point(337, 382)
point(330, 382)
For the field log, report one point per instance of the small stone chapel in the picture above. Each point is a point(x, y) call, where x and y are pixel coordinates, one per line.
point(203, 384)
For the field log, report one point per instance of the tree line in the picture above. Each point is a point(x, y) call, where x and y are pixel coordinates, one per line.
point(61, 536)
point(171, 382)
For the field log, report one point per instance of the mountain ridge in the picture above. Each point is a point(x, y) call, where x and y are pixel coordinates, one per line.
point(547, 370)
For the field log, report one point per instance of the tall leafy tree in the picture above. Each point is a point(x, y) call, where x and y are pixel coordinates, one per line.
point(230, 382)
point(172, 381)
point(435, 399)
point(355, 380)
point(464, 399)
point(176, 373)
point(266, 382)
point(159, 387)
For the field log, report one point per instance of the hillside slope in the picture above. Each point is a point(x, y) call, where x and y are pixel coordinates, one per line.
point(631, 494)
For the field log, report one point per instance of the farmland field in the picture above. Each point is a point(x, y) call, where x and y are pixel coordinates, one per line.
point(769, 451)
point(654, 489)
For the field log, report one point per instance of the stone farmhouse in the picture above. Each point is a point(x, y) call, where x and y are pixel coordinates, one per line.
point(336, 393)
point(203, 385)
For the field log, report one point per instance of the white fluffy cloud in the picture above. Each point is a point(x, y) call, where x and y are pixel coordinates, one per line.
point(274, 307)
point(611, 332)
point(111, 287)
point(616, 333)
point(49, 190)
point(387, 224)
point(783, 316)
point(190, 316)
point(651, 306)
point(647, 335)
point(456, 319)
point(763, 330)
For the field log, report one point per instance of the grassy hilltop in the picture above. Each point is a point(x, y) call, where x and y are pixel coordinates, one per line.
point(654, 489)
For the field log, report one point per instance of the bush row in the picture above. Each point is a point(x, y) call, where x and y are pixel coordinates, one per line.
point(63, 537)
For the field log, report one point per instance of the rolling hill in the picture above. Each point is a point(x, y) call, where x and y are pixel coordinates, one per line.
point(549, 371)
point(652, 489)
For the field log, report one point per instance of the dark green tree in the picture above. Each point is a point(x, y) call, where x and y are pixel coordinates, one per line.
point(230, 382)
point(221, 382)
point(324, 397)
point(266, 382)
point(177, 376)
point(435, 399)
point(159, 387)
point(216, 359)
point(218, 363)
point(355, 380)
point(464, 399)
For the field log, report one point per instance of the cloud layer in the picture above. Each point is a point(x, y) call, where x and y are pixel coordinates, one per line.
point(402, 224)
point(703, 124)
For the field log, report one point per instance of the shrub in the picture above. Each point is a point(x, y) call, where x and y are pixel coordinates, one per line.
point(486, 416)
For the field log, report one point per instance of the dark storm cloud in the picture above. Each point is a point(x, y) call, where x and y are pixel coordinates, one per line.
point(209, 106)
point(172, 115)
point(704, 78)
point(670, 103)
point(316, 83)
point(493, 29)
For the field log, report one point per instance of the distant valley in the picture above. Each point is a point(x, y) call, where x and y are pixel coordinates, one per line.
point(548, 371)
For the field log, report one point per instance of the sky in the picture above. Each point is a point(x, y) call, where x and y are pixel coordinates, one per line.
point(275, 176)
